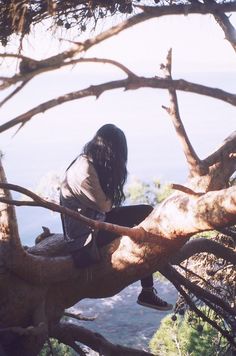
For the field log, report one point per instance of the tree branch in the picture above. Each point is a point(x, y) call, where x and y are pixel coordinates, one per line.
point(31, 68)
point(194, 163)
point(228, 29)
point(128, 84)
point(186, 190)
point(40, 202)
point(8, 97)
point(186, 9)
point(200, 245)
point(69, 333)
point(182, 215)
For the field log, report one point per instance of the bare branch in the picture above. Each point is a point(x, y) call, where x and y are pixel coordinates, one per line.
point(30, 68)
point(8, 97)
point(194, 163)
point(129, 84)
point(228, 28)
point(186, 190)
point(105, 61)
point(224, 22)
point(40, 202)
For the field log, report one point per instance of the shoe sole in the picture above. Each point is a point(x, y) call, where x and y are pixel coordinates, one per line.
point(168, 307)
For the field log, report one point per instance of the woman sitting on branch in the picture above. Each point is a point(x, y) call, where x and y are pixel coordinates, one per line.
point(93, 185)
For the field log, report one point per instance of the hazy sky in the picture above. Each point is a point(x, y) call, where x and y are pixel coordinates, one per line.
point(51, 140)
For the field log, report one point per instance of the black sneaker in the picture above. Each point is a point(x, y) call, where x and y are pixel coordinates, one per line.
point(150, 299)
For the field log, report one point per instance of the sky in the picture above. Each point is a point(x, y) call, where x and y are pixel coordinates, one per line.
point(51, 140)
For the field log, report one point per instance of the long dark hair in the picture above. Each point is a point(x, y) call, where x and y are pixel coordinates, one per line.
point(108, 151)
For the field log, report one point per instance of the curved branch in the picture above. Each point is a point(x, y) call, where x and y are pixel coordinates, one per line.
point(69, 333)
point(31, 68)
point(40, 202)
point(104, 61)
point(128, 84)
point(200, 245)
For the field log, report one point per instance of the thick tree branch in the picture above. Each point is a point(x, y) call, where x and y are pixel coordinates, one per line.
point(184, 216)
point(69, 333)
point(200, 245)
point(128, 84)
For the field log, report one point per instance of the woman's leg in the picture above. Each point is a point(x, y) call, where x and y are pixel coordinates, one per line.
point(130, 216)
point(126, 216)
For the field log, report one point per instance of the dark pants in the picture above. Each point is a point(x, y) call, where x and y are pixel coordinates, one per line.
point(126, 216)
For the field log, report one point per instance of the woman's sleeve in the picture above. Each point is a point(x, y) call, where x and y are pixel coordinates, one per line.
point(92, 189)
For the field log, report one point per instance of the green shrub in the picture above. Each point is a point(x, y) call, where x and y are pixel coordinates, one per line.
point(58, 349)
point(152, 192)
point(185, 338)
